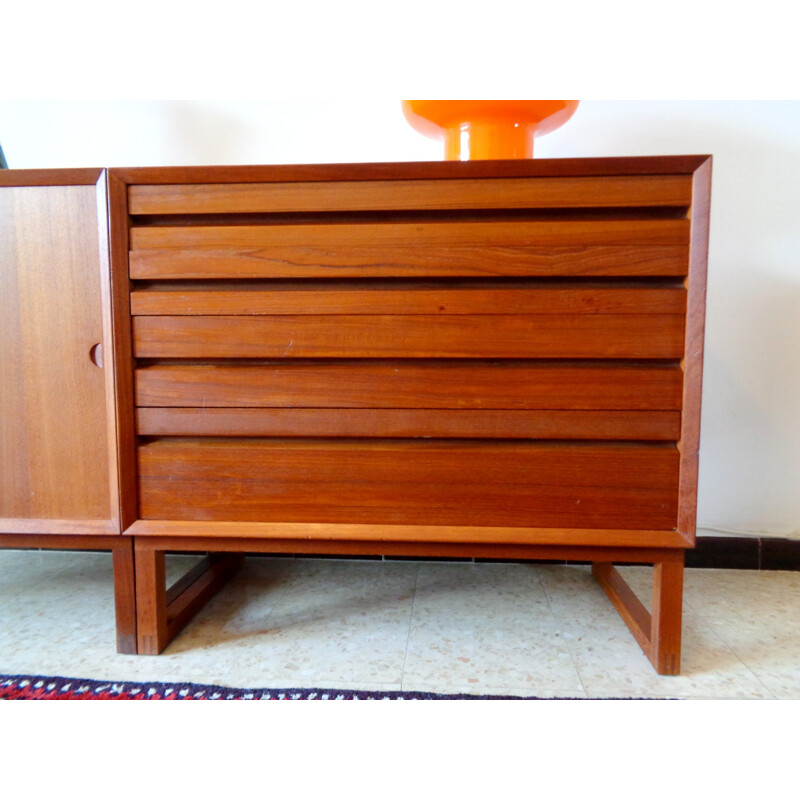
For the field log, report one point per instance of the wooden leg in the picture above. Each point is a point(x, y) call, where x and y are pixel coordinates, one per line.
point(162, 613)
point(659, 633)
point(125, 596)
point(151, 600)
point(667, 617)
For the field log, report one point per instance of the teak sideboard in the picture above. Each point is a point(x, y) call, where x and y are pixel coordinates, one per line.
point(494, 359)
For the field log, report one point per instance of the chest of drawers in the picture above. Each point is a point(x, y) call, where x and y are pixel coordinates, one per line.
point(484, 359)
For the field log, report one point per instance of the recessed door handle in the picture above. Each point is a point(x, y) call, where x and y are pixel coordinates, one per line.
point(96, 354)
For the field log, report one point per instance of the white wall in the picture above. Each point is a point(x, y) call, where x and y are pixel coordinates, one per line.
point(750, 444)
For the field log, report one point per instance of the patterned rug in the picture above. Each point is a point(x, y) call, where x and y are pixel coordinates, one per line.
point(38, 687)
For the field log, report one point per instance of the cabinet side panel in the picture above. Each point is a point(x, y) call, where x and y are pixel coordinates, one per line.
point(693, 360)
point(53, 419)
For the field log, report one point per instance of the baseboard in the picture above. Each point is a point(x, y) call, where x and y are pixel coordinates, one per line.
point(745, 552)
point(711, 552)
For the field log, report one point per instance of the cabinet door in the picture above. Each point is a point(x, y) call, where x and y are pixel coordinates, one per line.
point(57, 435)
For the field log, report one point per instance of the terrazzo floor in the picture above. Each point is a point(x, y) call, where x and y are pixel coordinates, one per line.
point(483, 628)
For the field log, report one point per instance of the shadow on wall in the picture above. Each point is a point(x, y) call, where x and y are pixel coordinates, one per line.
point(750, 434)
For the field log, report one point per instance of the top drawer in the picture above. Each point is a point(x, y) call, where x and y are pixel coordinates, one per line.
point(620, 225)
point(618, 191)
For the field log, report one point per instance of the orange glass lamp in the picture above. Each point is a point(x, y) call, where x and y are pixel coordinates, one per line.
point(478, 129)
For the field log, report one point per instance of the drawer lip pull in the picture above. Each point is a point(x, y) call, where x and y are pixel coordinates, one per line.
point(632, 191)
point(422, 234)
point(309, 299)
point(409, 423)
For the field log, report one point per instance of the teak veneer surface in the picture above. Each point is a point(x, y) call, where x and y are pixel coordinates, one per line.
point(318, 297)
point(386, 235)
point(410, 383)
point(409, 423)
point(420, 336)
point(602, 168)
point(459, 483)
point(408, 259)
point(494, 359)
point(398, 195)
point(54, 427)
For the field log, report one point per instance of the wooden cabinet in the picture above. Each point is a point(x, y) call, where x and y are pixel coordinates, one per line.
point(485, 358)
point(491, 359)
point(58, 462)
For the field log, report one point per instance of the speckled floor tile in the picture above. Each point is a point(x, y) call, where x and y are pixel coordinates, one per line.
point(613, 665)
point(249, 679)
point(485, 660)
point(486, 626)
point(610, 662)
point(510, 691)
point(332, 623)
point(448, 628)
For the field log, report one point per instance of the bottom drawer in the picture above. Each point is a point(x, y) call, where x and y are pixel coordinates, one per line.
point(463, 482)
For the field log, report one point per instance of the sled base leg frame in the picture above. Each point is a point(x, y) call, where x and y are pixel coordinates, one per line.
point(658, 633)
point(161, 612)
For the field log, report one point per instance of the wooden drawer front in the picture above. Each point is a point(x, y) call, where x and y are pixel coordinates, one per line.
point(616, 386)
point(424, 249)
point(183, 298)
point(409, 423)
point(463, 483)
point(409, 195)
point(416, 336)
point(503, 233)
point(408, 259)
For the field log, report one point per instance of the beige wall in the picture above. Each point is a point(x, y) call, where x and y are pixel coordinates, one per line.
point(750, 446)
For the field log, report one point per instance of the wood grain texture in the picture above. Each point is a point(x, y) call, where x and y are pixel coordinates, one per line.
point(461, 483)
point(553, 192)
point(404, 383)
point(151, 600)
point(512, 233)
point(50, 177)
point(125, 595)
point(59, 527)
point(665, 645)
point(601, 168)
point(322, 298)
point(584, 544)
point(419, 336)
point(410, 504)
point(335, 461)
point(693, 361)
point(407, 423)
point(54, 428)
point(107, 363)
point(122, 361)
point(348, 260)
